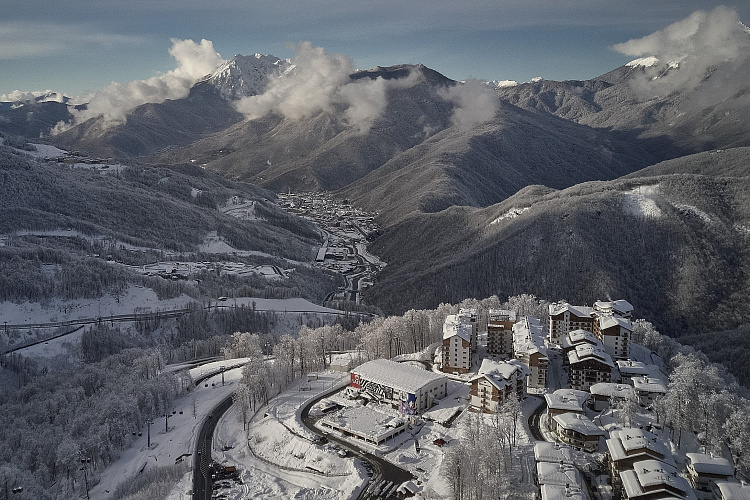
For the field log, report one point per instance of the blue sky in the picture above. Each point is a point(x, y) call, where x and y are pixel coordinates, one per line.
point(82, 45)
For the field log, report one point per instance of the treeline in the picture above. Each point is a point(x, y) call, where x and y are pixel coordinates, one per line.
point(91, 412)
point(143, 206)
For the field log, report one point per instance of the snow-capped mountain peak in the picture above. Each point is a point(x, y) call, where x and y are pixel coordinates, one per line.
point(244, 76)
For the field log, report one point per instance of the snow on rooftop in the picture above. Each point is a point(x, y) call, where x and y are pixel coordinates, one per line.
point(580, 311)
point(500, 373)
point(648, 475)
point(547, 451)
point(629, 442)
point(588, 352)
point(457, 325)
point(557, 474)
point(630, 367)
point(580, 336)
point(396, 375)
point(611, 390)
point(702, 463)
point(733, 491)
point(613, 321)
point(578, 423)
point(555, 492)
point(649, 384)
point(567, 399)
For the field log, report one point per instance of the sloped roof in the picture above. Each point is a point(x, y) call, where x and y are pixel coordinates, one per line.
point(547, 451)
point(610, 321)
point(649, 384)
point(651, 474)
point(457, 325)
point(500, 373)
point(630, 367)
point(707, 464)
point(611, 390)
point(733, 491)
point(587, 352)
point(580, 311)
point(629, 442)
point(579, 336)
point(578, 423)
point(559, 474)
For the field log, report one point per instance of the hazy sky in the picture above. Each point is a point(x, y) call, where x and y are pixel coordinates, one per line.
point(77, 46)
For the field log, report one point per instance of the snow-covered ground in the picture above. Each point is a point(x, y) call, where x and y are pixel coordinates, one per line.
point(213, 243)
point(240, 208)
point(641, 201)
point(135, 298)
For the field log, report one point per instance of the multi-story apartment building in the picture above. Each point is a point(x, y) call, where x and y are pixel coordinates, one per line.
point(564, 318)
point(500, 332)
point(614, 332)
point(495, 383)
point(627, 446)
point(588, 365)
point(459, 344)
point(529, 348)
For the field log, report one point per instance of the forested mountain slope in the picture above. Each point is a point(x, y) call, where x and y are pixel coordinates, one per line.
point(675, 246)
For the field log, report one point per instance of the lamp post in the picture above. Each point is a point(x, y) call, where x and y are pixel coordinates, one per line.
point(85, 461)
point(148, 423)
point(223, 369)
point(166, 422)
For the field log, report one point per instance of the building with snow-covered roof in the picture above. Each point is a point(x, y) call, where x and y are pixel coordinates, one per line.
point(726, 490)
point(604, 394)
point(629, 369)
point(557, 474)
point(459, 344)
point(588, 365)
point(619, 307)
point(500, 332)
point(495, 383)
point(706, 470)
point(406, 388)
point(578, 431)
point(627, 446)
point(578, 337)
point(653, 480)
point(648, 389)
point(529, 348)
point(564, 317)
point(565, 401)
point(557, 453)
point(367, 423)
point(555, 492)
point(614, 332)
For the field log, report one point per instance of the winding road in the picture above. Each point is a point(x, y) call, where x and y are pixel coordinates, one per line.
point(202, 459)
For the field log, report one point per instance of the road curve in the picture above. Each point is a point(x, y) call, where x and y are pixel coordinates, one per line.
point(202, 459)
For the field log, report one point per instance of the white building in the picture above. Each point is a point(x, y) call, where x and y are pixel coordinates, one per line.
point(564, 318)
point(707, 470)
point(557, 474)
point(614, 332)
point(529, 348)
point(651, 479)
point(459, 344)
point(629, 369)
point(648, 389)
point(557, 453)
point(606, 394)
point(588, 365)
point(578, 431)
point(409, 389)
point(627, 446)
point(495, 383)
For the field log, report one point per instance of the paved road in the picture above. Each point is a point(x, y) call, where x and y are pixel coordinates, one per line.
point(201, 475)
point(534, 423)
point(384, 472)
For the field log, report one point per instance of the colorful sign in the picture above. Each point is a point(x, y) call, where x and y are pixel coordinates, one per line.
point(408, 404)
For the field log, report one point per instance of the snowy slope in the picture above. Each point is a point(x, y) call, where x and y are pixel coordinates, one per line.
point(244, 76)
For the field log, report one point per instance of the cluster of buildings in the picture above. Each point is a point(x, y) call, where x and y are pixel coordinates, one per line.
point(594, 343)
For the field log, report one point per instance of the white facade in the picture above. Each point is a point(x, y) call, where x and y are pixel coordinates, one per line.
point(406, 388)
point(459, 343)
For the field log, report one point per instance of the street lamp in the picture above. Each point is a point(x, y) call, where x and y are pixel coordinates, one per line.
point(148, 423)
point(223, 369)
point(166, 422)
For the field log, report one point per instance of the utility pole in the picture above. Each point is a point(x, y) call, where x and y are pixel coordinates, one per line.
point(148, 423)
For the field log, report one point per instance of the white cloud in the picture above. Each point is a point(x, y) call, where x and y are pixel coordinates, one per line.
point(114, 102)
point(704, 43)
point(474, 103)
point(22, 96)
point(31, 39)
point(321, 83)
